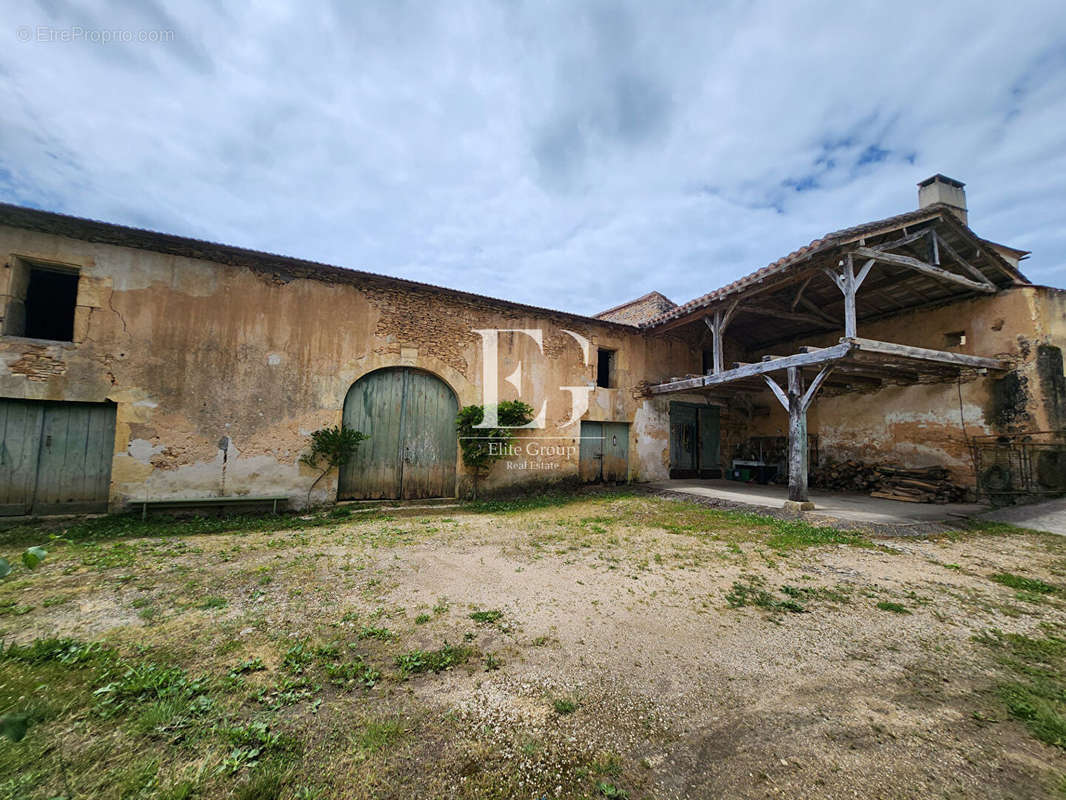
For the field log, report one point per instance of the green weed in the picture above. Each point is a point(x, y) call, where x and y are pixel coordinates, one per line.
point(432, 660)
point(895, 608)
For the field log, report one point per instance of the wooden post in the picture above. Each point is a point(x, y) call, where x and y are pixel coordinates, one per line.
point(850, 328)
point(848, 283)
point(716, 343)
point(717, 324)
point(797, 438)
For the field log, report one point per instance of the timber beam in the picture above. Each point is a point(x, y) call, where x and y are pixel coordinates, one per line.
point(924, 268)
point(757, 369)
point(925, 354)
point(867, 357)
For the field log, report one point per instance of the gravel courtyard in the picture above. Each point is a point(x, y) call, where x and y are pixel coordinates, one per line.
point(602, 645)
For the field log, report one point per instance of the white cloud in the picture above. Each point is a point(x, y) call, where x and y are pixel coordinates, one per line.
point(565, 155)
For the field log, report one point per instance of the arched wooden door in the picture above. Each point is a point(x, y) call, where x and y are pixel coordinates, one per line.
point(410, 418)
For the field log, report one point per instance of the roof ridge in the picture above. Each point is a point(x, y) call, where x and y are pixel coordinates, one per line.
point(27, 218)
point(634, 301)
point(823, 243)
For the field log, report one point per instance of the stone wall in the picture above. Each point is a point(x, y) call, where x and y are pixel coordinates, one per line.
point(932, 423)
point(638, 311)
point(195, 353)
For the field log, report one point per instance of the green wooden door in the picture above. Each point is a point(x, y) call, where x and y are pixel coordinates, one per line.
point(77, 447)
point(708, 435)
point(409, 416)
point(683, 440)
point(20, 423)
point(55, 458)
point(429, 439)
point(616, 451)
point(604, 452)
point(590, 460)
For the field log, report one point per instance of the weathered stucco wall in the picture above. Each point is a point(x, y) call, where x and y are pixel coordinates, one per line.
point(220, 373)
point(931, 423)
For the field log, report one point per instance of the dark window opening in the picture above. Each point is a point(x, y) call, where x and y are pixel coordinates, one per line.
point(708, 362)
point(604, 368)
point(955, 339)
point(50, 300)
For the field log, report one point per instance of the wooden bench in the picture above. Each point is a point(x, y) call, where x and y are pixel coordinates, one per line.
point(217, 505)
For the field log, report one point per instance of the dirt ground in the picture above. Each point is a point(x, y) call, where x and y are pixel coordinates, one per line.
point(645, 648)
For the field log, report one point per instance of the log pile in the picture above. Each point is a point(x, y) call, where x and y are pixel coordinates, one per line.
point(888, 481)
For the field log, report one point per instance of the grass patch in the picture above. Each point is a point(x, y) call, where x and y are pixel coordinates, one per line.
point(1034, 688)
point(131, 526)
point(417, 661)
point(1023, 584)
point(752, 591)
point(487, 616)
point(895, 608)
point(381, 634)
point(378, 735)
point(564, 706)
point(535, 502)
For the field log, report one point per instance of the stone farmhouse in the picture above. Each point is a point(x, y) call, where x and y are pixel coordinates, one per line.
point(143, 367)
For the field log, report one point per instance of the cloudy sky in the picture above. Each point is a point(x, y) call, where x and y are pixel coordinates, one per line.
point(571, 154)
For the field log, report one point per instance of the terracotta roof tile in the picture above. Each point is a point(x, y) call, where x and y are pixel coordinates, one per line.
point(827, 242)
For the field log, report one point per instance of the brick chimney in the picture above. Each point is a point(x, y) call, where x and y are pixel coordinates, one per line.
point(942, 189)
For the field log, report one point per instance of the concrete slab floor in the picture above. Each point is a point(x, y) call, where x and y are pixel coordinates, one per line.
point(840, 505)
point(1049, 516)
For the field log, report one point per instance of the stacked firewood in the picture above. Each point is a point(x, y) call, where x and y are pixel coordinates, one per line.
point(843, 476)
point(888, 481)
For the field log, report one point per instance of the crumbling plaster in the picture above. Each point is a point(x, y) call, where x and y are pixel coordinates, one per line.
point(932, 423)
point(196, 355)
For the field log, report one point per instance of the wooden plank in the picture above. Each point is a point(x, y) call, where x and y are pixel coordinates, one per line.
point(924, 268)
point(20, 426)
point(904, 240)
point(754, 370)
point(925, 354)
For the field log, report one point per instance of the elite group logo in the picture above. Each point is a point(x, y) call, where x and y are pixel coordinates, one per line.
point(490, 366)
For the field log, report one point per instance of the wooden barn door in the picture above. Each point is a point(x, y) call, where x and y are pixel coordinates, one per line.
point(55, 458)
point(20, 426)
point(590, 462)
point(410, 418)
point(683, 441)
point(604, 453)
